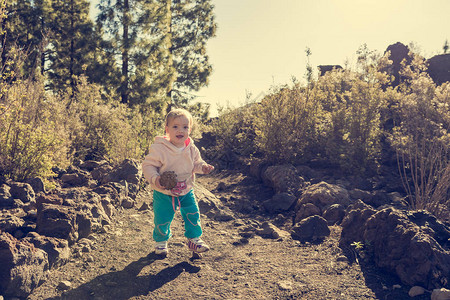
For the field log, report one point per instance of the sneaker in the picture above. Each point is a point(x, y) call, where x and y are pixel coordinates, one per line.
point(197, 245)
point(161, 248)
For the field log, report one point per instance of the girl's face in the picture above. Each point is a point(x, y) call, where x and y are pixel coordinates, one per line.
point(178, 130)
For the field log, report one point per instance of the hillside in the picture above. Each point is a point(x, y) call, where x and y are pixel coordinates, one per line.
point(119, 264)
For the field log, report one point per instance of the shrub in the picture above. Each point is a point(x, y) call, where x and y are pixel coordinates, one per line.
point(31, 135)
point(422, 140)
point(101, 130)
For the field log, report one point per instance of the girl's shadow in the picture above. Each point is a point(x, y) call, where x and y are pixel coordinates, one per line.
point(126, 283)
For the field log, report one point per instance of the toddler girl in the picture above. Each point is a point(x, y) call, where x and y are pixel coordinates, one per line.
point(175, 152)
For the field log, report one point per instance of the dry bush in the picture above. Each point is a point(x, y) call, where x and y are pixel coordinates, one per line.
point(31, 135)
point(286, 123)
point(101, 130)
point(422, 141)
point(235, 130)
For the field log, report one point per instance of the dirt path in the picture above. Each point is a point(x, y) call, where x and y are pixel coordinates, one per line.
point(120, 263)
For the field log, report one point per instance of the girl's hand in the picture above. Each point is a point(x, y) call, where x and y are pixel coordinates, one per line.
point(158, 184)
point(206, 169)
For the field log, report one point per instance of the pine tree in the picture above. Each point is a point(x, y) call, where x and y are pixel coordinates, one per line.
point(72, 49)
point(26, 27)
point(192, 25)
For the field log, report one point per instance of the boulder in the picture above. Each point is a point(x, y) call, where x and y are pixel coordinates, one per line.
point(23, 266)
point(284, 178)
point(10, 223)
point(37, 184)
point(6, 199)
point(398, 53)
point(22, 191)
point(334, 214)
point(313, 228)
point(306, 210)
point(57, 221)
point(210, 205)
point(321, 195)
point(400, 245)
point(57, 250)
point(280, 202)
point(129, 170)
point(439, 68)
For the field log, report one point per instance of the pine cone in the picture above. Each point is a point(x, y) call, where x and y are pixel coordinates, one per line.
point(168, 180)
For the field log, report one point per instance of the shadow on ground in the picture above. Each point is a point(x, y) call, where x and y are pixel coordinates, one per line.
point(127, 283)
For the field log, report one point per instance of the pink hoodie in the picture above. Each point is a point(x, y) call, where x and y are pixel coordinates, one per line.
point(164, 156)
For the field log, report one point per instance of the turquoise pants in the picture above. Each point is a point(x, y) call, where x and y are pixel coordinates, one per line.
point(164, 208)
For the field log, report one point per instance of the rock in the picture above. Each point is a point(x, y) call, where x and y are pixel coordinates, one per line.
point(206, 200)
point(23, 266)
point(10, 223)
point(48, 198)
point(6, 199)
point(22, 191)
point(416, 291)
point(311, 228)
point(128, 203)
point(58, 221)
point(399, 245)
point(108, 207)
point(306, 210)
point(438, 68)
point(80, 178)
point(283, 178)
point(285, 285)
point(58, 250)
point(334, 214)
point(440, 294)
point(129, 170)
point(323, 195)
point(101, 172)
point(64, 285)
point(280, 202)
point(144, 206)
point(37, 184)
point(168, 180)
point(258, 167)
point(90, 165)
point(270, 231)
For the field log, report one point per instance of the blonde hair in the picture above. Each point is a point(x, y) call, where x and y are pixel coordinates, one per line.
point(178, 112)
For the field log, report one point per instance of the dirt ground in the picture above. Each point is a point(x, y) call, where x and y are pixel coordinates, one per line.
point(121, 264)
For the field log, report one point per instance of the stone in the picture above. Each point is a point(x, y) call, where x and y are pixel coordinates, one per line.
point(323, 195)
point(10, 223)
point(306, 210)
point(268, 230)
point(416, 291)
point(280, 202)
point(23, 266)
point(283, 178)
point(129, 170)
point(6, 199)
point(64, 285)
point(168, 180)
point(440, 294)
point(22, 191)
point(334, 214)
point(58, 250)
point(312, 228)
point(37, 184)
point(401, 244)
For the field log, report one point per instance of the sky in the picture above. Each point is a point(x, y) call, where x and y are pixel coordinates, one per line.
point(261, 43)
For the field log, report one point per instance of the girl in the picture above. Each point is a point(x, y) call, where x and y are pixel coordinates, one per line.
point(175, 152)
